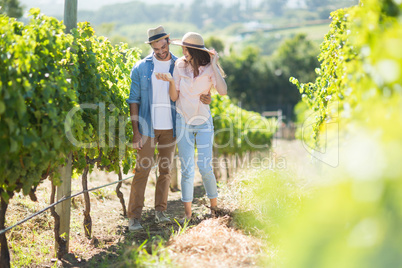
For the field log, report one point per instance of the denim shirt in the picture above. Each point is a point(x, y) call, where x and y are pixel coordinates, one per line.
point(141, 92)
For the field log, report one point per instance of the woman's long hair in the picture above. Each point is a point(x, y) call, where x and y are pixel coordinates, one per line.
point(201, 58)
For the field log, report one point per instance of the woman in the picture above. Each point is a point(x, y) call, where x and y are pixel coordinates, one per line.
point(195, 74)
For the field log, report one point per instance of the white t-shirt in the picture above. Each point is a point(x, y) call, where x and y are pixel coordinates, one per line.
point(161, 109)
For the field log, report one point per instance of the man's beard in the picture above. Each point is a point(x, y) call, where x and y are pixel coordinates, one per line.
point(162, 56)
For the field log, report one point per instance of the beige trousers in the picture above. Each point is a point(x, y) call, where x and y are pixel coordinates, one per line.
point(166, 144)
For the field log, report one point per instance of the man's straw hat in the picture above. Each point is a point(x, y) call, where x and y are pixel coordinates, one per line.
point(193, 40)
point(156, 34)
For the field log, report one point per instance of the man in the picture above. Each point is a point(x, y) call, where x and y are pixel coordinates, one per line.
point(153, 117)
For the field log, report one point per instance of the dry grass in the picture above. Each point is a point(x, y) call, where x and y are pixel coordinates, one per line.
point(218, 242)
point(213, 243)
point(32, 243)
point(28, 242)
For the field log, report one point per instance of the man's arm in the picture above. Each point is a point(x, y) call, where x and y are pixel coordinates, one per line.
point(134, 103)
point(137, 142)
point(206, 98)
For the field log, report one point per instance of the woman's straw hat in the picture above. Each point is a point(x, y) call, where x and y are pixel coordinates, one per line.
point(156, 34)
point(193, 40)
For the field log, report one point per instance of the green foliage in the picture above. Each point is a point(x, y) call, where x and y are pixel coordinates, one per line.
point(274, 197)
point(347, 225)
point(262, 82)
point(152, 252)
point(215, 43)
point(298, 57)
point(336, 55)
point(102, 78)
point(353, 222)
point(243, 75)
point(238, 131)
point(303, 116)
point(33, 100)
point(267, 43)
point(45, 76)
point(348, 62)
point(11, 8)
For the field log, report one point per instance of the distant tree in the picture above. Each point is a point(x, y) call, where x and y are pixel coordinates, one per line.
point(263, 82)
point(215, 43)
point(11, 8)
point(106, 28)
point(297, 57)
point(243, 77)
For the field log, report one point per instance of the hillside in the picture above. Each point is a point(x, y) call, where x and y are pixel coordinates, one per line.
point(56, 7)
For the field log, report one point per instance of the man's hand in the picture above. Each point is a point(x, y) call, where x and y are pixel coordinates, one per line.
point(206, 99)
point(137, 141)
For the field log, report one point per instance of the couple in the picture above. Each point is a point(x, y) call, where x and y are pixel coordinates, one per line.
point(169, 100)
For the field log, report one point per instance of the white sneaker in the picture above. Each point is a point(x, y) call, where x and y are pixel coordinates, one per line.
point(160, 217)
point(134, 225)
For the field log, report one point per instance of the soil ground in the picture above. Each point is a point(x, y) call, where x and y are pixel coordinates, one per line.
point(110, 235)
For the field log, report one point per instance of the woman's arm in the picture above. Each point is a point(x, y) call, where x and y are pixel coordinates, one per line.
point(221, 86)
point(173, 93)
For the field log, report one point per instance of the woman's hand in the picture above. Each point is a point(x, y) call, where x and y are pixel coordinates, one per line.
point(214, 56)
point(220, 86)
point(164, 76)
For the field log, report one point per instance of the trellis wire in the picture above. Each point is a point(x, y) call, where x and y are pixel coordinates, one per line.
point(58, 202)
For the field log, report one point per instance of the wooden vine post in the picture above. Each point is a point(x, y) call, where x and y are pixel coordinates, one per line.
point(4, 252)
point(64, 190)
point(70, 14)
point(64, 209)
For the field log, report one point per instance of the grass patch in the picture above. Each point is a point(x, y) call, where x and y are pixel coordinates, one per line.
point(150, 253)
point(28, 243)
point(252, 207)
point(263, 201)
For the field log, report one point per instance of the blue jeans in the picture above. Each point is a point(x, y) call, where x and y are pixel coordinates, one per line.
point(187, 136)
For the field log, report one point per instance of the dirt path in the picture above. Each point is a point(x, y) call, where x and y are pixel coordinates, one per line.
point(111, 238)
point(110, 228)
